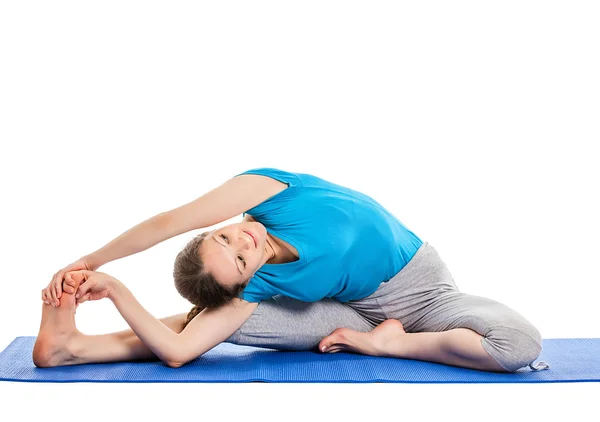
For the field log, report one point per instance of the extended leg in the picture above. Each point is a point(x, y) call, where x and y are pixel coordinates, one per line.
point(60, 343)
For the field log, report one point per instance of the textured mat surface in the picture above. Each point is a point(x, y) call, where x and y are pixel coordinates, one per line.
point(570, 360)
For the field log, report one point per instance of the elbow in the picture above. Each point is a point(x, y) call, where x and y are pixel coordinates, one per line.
point(175, 360)
point(174, 364)
point(179, 355)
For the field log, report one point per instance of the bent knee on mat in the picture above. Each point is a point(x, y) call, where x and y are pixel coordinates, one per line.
point(513, 348)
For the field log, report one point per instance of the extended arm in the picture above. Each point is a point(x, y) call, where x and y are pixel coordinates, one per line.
point(232, 198)
point(226, 201)
point(205, 331)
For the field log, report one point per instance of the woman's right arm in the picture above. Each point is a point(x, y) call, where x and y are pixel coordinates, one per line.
point(138, 238)
point(232, 198)
point(226, 201)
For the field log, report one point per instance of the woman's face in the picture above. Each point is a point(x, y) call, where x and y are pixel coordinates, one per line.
point(233, 253)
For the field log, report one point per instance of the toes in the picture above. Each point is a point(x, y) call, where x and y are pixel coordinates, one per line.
point(336, 338)
point(331, 346)
point(326, 344)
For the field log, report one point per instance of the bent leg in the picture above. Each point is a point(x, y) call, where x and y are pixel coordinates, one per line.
point(458, 347)
point(60, 343)
point(504, 334)
point(459, 330)
point(425, 299)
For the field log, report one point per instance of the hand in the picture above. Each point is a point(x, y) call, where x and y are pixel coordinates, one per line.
point(93, 285)
point(52, 293)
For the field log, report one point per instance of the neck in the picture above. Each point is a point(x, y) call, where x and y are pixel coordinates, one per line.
point(273, 250)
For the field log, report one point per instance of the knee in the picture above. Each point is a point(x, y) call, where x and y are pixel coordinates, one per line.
point(514, 347)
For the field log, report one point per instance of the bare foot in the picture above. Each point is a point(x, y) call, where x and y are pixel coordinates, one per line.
point(371, 343)
point(53, 346)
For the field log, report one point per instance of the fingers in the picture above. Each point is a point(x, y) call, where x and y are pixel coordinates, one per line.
point(69, 283)
point(84, 298)
point(53, 291)
point(58, 283)
point(53, 282)
point(53, 298)
point(84, 288)
point(67, 287)
point(46, 296)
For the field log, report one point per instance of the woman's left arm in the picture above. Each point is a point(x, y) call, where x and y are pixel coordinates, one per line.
point(159, 338)
point(205, 331)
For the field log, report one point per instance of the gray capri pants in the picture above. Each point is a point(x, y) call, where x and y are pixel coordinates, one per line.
point(422, 296)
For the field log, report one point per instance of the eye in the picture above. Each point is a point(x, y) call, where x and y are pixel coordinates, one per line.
point(239, 256)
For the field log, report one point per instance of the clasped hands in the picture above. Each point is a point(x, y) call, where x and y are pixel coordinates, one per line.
point(85, 284)
point(90, 285)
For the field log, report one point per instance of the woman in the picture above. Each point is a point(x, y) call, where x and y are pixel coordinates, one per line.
point(312, 265)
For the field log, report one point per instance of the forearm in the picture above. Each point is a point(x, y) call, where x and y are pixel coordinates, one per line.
point(139, 238)
point(155, 335)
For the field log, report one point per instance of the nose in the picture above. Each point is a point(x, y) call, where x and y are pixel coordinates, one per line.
point(247, 241)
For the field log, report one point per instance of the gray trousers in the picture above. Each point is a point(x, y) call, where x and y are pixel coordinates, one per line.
point(422, 296)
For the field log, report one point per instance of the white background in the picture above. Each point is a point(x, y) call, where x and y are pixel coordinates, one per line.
point(473, 122)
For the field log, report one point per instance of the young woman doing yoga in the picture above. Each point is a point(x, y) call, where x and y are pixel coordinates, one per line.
point(312, 265)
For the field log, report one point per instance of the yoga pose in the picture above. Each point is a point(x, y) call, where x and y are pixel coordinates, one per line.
point(313, 265)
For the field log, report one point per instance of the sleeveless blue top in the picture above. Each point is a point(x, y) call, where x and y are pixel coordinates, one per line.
point(347, 242)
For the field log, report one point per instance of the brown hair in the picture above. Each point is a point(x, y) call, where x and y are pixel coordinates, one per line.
point(196, 284)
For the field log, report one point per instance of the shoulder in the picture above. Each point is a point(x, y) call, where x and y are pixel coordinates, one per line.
point(287, 178)
point(266, 185)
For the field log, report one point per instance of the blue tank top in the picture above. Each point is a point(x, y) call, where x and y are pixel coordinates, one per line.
point(348, 244)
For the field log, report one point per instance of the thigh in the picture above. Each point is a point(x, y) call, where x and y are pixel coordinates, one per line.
point(289, 324)
point(460, 310)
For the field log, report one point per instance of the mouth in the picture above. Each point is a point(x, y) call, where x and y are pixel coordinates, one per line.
point(253, 238)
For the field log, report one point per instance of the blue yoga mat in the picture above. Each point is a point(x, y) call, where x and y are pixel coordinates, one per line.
point(570, 360)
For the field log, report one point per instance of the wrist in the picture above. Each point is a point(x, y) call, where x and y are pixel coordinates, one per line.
point(116, 290)
point(91, 262)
